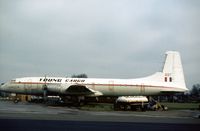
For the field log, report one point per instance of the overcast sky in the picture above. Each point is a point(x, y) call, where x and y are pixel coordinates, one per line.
point(102, 38)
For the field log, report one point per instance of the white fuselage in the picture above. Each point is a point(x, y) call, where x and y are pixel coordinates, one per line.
point(106, 87)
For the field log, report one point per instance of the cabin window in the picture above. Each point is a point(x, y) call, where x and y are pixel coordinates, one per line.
point(170, 79)
point(165, 79)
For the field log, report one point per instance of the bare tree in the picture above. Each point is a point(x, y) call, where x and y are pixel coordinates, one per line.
point(195, 90)
point(79, 76)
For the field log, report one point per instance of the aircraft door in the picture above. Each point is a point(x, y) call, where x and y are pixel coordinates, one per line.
point(28, 86)
point(142, 89)
point(111, 86)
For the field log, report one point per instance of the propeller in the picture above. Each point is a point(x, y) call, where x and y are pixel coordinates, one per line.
point(45, 89)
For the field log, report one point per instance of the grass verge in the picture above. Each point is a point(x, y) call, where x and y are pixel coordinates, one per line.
point(181, 106)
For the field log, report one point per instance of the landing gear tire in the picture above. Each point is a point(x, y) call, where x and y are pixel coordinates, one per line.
point(143, 109)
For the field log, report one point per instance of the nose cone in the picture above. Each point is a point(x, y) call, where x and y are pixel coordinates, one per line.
point(2, 86)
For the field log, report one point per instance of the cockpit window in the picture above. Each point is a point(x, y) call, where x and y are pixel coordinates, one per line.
point(2, 83)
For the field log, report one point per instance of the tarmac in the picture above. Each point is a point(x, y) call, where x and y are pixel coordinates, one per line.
point(31, 116)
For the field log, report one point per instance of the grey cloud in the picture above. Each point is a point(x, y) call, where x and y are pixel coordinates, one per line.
point(101, 38)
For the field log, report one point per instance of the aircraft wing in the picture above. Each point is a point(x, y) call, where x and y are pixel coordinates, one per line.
point(81, 90)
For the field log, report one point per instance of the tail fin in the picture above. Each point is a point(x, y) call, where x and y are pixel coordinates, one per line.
point(173, 69)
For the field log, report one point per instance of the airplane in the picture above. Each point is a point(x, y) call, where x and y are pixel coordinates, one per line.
point(169, 81)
